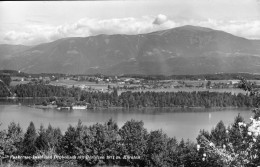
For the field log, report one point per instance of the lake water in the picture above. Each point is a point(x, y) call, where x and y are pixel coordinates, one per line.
point(181, 123)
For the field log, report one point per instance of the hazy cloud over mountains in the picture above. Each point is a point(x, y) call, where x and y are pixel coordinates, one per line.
point(31, 23)
point(87, 27)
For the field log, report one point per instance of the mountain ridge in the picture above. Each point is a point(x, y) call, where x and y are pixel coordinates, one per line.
point(182, 50)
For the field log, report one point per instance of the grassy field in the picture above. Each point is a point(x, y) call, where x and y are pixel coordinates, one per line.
point(102, 86)
point(14, 83)
point(82, 84)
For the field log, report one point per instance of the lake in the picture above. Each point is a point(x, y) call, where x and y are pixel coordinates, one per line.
point(181, 123)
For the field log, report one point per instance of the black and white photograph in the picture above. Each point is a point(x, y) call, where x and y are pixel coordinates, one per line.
point(130, 83)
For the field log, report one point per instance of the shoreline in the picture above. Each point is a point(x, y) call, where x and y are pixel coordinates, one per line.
point(138, 108)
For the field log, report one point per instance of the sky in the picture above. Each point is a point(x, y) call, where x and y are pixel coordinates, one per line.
point(35, 22)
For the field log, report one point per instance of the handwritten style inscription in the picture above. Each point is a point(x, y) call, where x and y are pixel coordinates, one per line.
point(86, 157)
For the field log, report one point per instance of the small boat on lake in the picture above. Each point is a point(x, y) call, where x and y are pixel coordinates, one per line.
point(81, 107)
point(63, 108)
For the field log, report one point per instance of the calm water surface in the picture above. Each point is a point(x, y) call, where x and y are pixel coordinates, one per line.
point(181, 123)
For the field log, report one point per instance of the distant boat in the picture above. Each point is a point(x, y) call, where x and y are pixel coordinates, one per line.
point(63, 108)
point(79, 107)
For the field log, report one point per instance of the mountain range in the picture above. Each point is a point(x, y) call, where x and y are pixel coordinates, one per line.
point(182, 50)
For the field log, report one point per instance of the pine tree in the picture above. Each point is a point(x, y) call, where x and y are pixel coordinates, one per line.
point(15, 137)
point(234, 135)
point(42, 141)
point(29, 147)
point(218, 134)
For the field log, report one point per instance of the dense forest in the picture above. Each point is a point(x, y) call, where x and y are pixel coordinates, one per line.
point(107, 144)
point(137, 99)
point(43, 90)
point(23, 74)
point(3, 90)
point(5, 81)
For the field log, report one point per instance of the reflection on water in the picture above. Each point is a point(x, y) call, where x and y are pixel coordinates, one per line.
point(24, 101)
point(181, 123)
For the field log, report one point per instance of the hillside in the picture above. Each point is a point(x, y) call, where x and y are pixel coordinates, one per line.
point(181, 50)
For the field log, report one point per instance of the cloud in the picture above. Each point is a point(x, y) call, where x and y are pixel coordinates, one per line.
point(12, 36)
point(160, 19)
point(33, 34)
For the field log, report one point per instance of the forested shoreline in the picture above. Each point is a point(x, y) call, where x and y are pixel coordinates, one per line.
point(134, 99)
point(65, 96)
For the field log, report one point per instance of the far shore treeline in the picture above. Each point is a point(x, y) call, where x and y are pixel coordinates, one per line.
point(67, 96)
point(130, 99)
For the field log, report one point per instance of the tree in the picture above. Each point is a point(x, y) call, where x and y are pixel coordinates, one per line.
point(68, 142)
point(172, 158)
point(219, 135)
point(133, 141)
point(29, 147)
point(42, 141)
point(234, 135)
point(15, 137)
point(157, 148)
point(112, 137)
point(6, 79)
point(54, 136)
